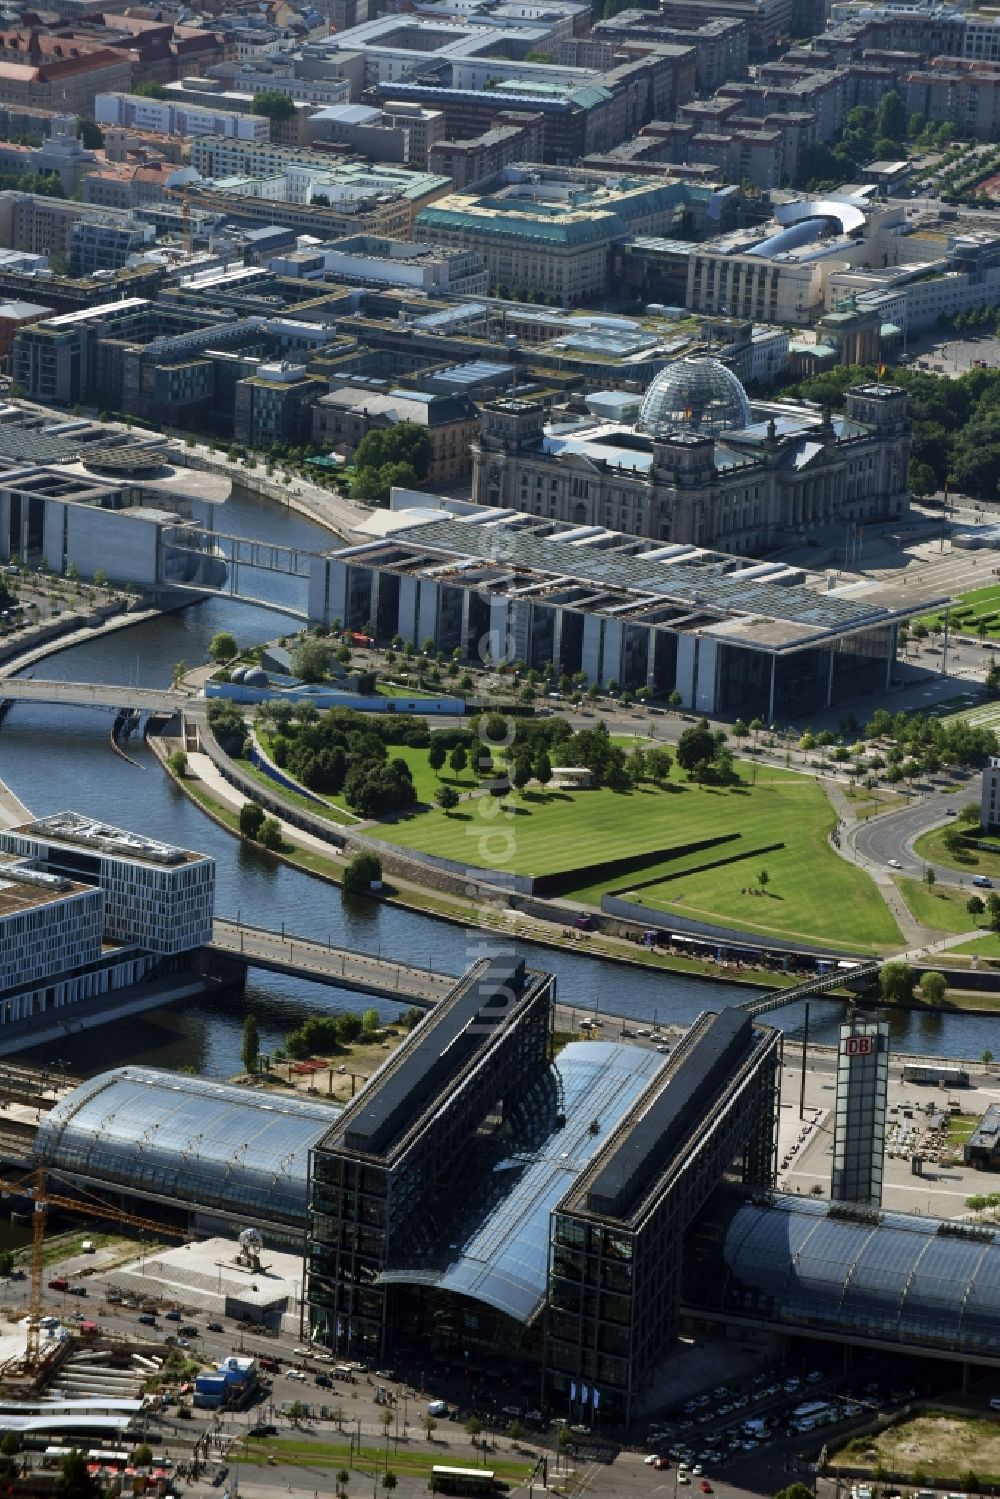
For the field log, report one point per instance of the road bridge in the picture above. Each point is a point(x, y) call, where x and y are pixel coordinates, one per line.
point(321, 963)
point(108, 697)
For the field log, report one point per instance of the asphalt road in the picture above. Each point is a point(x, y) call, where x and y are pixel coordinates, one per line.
point(892, 836)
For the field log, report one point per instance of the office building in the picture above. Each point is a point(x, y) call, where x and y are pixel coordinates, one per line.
point(372, 261)
point(982, 1148)
point(614, 1293)
point(515, 135)
point(989, 802)
point(730, 635)
point(155, 896)
point(179, 117)
point(551, 231)
point(49, 925)
point(859, 1118)
point(398, 1144)
point(341, 418)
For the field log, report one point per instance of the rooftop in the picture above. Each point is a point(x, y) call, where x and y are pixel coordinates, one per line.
point(23, 888)
point(75, 829)
point(163, 1134)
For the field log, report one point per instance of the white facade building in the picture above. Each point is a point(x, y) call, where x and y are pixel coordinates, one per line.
point(48, 925)
point(156, 897)
point(166, 117)
point(989, 806)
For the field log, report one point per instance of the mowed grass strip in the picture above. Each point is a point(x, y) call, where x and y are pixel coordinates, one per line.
point(308, 1452)
point(813, 893)
point(941, 908)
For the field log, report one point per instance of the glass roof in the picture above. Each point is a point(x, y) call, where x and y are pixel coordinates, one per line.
point(698, 394)
point(919, 1281)
point(167, 1135)
point(493, 1244)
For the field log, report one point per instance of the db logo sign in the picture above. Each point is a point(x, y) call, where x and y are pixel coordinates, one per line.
point(859, 1046)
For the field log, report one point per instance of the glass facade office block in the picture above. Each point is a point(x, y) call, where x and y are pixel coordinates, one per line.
point(859, 1119)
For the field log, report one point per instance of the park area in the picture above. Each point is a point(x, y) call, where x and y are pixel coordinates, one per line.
point(964, 1450)
point(680, 848)
point(980, 607)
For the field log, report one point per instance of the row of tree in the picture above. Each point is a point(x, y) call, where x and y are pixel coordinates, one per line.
point(956, 423)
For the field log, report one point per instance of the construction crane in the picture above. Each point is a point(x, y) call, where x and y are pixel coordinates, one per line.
point(42, 1200)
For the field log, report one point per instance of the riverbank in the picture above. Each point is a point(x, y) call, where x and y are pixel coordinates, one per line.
point(222, 802)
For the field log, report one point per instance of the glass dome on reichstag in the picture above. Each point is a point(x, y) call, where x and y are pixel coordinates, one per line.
point(697, 394)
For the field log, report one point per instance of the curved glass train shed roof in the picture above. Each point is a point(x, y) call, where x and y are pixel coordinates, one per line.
point(498, 1237)
point(183, 1139)
point(891, 1277)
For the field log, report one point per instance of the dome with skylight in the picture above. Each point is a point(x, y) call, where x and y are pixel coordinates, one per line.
point(697, 394)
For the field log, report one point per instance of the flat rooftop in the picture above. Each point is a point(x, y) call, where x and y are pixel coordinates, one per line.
point(630, 574)
point(75, 830)
point(438, 1050)
point(23, 888)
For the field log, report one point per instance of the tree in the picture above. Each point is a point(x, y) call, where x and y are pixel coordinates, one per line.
point(270, 834)
point(6, 1261)
point(658, 764)
point(251, 819)
point(362, 870)
point(177, 762)
point(429, 1425)
point(274, 105)
point(458, 759)
point(515, 1431)
point(250, 1050)
point(296, 1411)
point(975, 906)
point(895, 982)
point(543, 768)
point(405, 443)
point(921, 478)
point(389, 1480)
point(74, 1480)
point(521, 774)
point(436, 756)
point(675, 699)
point(953, 840)
point(148, 89)
point(10, 1446)
point(343, 1479)
point(933, 987)
point(987, 1057)
point(311, 660)
point(930, 877)
point(695, 747)
point(177, 673)
point(763, 878)
point(447, 798)
point(969, 814)
point(142, 1455)
point(473, 1427)
point(89, 134)
point(795, 1491)
point(371, 1023)
point(222, 646)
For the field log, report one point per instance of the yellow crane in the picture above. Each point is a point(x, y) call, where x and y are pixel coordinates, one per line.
point(42, 1200)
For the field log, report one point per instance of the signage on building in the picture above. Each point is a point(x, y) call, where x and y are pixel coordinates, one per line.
point(859, 1046)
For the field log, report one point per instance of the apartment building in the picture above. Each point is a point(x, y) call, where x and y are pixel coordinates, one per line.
point(341, 419)
point(167, 117)
point(514, 136)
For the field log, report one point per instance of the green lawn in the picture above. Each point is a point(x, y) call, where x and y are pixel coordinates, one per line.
point(987, 946)
point(969, 609)
point(942, 908)
point(309, 1452)
point(813, 893)
point(930, 846)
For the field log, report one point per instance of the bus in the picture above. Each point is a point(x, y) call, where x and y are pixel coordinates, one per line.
point(449, 1480)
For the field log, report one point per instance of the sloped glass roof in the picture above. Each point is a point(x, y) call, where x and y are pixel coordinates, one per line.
point(914, 1281)
point(493, 1244)
point(166, 1135)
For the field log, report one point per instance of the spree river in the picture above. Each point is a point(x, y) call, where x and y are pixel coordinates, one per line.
point(59, 757)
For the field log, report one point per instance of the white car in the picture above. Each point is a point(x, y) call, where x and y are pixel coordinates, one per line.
point(302, 1352)
point(650, 1458)
point(296, 1374)
point(895, 864)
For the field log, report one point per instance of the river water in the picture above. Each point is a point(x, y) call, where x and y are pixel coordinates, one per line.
point(58, 757)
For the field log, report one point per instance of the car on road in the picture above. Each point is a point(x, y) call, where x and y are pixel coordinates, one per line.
point(215, 1327)
point(650, 1459)
point(302, 1352)
point(895, 864)
point(705, 1486)
point(982, 881)
point(171, 1316)
point(296, 1374)
point(661, 1464)
point(77, 1291)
